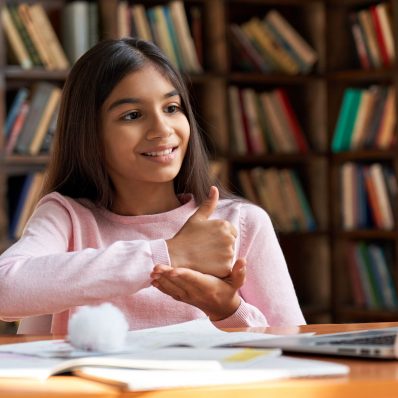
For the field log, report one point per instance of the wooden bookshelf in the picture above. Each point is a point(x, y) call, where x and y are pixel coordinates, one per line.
point(316, 259)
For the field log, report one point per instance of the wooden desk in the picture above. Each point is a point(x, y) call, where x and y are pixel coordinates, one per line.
point(367, 379)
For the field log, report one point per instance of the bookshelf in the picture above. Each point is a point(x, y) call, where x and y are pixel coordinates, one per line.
point(317, 258)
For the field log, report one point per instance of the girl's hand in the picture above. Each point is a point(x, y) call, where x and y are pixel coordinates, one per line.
point(217, 298)
point(204, 245)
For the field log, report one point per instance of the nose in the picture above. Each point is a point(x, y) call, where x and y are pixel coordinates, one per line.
point(159, 127)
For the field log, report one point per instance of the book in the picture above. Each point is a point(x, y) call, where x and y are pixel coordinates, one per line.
point(257, 31)
point(15, 108)
point(185, 40)
point(15, 215)
point(346, 119)
point(42, 127)
point(274, 368)
point(35, 34)
point(248, 54)
point(383, 277)
point(295, 129)
point(364, 113)
point(158, 23)
point(256, 137)
point(197, 31)
point(75, 24)
point(40, 97)
point(29, 202)
point(48, 138)
point(385, 60)
point(15, 40)
point(123, 19)
point(382, 14)
point(366, 23)
point(175, 367)
point(45, 29)
point(140, 22)
point(246, 186)
point(291, 36)
point(358, 293)
point(30, 46)
point(383, 202)
point(16, 128)
point(359, 41)
point(282, 141)
point(348, 190)
point(238, 141)
point(385, 134)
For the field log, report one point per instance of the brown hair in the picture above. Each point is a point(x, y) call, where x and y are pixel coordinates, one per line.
point(77, 166)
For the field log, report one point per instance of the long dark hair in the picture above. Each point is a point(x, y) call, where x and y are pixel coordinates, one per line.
point(77, 166)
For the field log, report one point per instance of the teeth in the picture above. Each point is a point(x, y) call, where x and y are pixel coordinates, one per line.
point(160, 153)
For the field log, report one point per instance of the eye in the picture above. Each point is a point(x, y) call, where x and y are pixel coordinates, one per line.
point(133, 115)
point(173, 108)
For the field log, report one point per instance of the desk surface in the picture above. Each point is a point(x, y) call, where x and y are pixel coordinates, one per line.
point(366, 379)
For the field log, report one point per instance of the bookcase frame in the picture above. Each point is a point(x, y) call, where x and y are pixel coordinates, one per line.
point(316, 260)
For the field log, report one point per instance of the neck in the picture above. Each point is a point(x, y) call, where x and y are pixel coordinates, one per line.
point(148, 200)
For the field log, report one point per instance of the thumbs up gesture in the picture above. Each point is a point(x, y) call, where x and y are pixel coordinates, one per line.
point(204, 245)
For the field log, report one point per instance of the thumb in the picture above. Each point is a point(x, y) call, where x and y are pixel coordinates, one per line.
point(238, 274)
point(207, 208)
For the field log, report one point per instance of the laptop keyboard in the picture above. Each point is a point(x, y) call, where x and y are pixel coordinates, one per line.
point(386, 340)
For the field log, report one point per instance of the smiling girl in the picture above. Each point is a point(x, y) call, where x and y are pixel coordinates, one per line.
point(129, 215)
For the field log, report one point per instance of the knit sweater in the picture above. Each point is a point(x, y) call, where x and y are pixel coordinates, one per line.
point(73, 253)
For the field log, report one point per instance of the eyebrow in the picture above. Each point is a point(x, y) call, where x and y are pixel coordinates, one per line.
point(132, 100)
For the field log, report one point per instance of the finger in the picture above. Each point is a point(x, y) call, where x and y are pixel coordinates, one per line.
point(168, 287)
point(207, 208)
point(238, 274)
point(160, 268)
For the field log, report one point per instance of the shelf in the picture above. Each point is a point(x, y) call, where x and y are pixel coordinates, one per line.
point(362, 76)
point(17, 73)
point(368, 234)
point(367, 315)
point(365, 155)
point(275, 158)
point(271, 78)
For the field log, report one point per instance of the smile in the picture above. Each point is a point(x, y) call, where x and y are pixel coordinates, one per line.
point(160, 153)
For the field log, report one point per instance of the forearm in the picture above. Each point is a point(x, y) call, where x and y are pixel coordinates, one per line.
point(54, 282)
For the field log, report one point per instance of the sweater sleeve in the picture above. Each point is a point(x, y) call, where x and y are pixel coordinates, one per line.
point(40, 274)
point(268, 295)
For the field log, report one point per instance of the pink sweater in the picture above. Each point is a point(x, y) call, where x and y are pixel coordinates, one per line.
point(73, 254)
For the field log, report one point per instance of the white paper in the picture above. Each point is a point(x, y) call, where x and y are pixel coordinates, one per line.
point(200, 333)
point(266, 369)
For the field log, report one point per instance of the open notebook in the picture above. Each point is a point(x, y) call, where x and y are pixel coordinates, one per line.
point(183, 355)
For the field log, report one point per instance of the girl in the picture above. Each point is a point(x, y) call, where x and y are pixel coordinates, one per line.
point(129, 215)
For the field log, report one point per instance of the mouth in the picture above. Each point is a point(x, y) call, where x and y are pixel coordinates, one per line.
point(164, 152)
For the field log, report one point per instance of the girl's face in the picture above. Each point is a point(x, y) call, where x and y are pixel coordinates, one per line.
point(144, 130)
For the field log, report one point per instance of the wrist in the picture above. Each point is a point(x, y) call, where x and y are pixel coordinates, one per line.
point(227, 311)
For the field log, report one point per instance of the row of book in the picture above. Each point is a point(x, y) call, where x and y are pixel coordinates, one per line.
point(271, 44)
point(369, 196)
point(281, 193)
point(367, 119)
point(31, 36)
point(26, 197)
point(264, 122)
point(369, 267)
point(168, 27)
point(373, 36)
point(31, 119)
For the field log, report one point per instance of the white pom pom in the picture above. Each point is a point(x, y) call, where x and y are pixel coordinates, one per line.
point(101, 328)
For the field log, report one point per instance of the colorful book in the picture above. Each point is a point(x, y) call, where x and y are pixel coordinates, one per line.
point(346, 119)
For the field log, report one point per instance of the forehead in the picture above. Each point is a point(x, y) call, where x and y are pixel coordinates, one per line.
point(145, 82)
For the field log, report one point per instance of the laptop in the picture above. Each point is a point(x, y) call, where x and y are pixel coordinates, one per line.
point(376, 343)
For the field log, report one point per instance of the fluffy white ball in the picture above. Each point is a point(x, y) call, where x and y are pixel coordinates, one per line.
point(101, 328)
